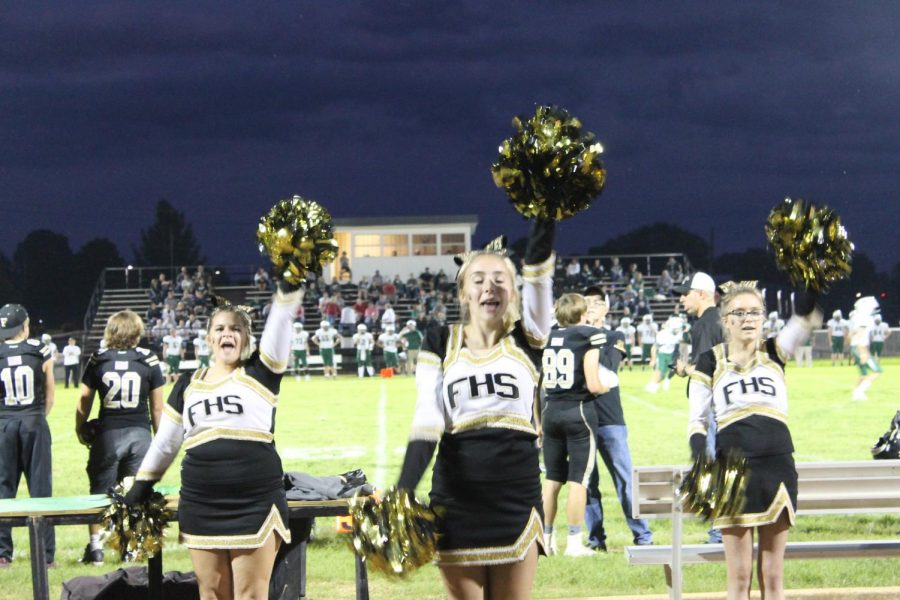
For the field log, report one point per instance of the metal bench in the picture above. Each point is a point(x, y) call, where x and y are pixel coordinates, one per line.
point(39, 513)
point(823, 489)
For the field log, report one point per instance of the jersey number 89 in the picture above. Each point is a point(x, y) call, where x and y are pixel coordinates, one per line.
point(558, 368)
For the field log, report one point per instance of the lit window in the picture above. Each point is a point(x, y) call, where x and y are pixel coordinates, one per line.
point(424, 244)
point(366, 245)
point(395, 244)
point(453, 243)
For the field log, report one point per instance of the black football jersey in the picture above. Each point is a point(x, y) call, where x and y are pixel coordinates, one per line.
point(123, 380)
point(22, 385)
point(562, 362)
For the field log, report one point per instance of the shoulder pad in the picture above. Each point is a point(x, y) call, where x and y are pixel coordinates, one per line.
point(143, 351)
point(33, 342)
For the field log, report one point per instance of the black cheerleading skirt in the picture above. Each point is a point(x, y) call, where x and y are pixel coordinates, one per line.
point(771, 489)
point(486, 491)
point(232, 495)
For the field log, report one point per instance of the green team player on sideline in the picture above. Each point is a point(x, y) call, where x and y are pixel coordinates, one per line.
point(627, 329)
point(300, 350)
point(837, 329)
point(365, 344)
point(412, 341)
point(201, 348)
point(389, 342)
point(880, 332)
point(647, 331)
point(663, 354)
point(326, 338)
point(862, 321)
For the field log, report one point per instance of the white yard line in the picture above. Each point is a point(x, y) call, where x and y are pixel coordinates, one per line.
point(651, 406)
point(381, 449)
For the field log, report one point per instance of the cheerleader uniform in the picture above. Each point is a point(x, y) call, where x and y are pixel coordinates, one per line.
point(232, 488)
point(749, 404)
point(477, 409)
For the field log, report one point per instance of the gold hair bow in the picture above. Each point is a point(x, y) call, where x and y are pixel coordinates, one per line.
point(732, 286)
point(495, 246)
point(221, 302)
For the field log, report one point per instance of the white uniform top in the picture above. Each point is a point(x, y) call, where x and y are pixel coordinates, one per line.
point(466, 390)
point(300, 340)
point(240, 406)
point(628, 332)
point(879, 332)
point(53, 350)
point(389, 317)
point(173, 345)
point(667, 342)
point(326, 337)
point(648, 332)
point(773, 328)
point(364, 342)
point(733, 393)
point(71, 355)
point(201, 347)
point(837, 327)
point(390, 341)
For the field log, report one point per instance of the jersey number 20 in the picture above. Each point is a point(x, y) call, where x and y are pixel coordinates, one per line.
point(124, 390)
point(558, 368)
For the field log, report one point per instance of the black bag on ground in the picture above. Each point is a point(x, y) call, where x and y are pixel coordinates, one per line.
point(128, 584)
point(888, 445)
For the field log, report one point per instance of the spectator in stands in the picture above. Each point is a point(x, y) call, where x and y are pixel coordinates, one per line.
point(201, 279)
point(412, 287)
point(377, 280)
point(598, 272)
point(331, 309)
point(371, 316)
point(164, 284)
point(756, 425)
point(389, 290)
point(629, 298)
point(348, 320)
point(181, 312)
point(664, 283)
point(130, 385)
point(675, 269)
point(615, 270)
point(425, 279)
point(185, 281)
point(261, 279)
point(344, 262)
point(633, 274)
point(440, 281)
point(155, 292)
point(573, 270)
point(388, 317)
point(170, 301)
point(153, 312)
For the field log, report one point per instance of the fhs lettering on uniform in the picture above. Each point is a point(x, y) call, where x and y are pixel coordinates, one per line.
point(230, 404)
point(749, 385)
point(482, 385)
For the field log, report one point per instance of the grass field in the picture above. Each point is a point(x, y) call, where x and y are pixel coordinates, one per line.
point(329, 427)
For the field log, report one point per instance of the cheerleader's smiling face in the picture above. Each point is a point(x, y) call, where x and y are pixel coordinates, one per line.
point(744, 318)
point(229, 338)
point(488, 288)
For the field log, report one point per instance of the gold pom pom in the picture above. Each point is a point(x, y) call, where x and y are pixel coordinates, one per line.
point(715, 488)
point(395, 536)
point(550, 169)
point(138, 531)
point(809, 243)
point(297, 235)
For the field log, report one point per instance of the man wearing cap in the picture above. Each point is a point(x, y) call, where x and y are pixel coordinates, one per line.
point(26, 397)
point(698, 297)
point(412, 342)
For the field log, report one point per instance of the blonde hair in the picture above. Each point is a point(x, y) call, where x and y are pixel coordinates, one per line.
point(732, 291)
point(569, 309)
point(123, 330)
point(245, 321)
point(513, 312)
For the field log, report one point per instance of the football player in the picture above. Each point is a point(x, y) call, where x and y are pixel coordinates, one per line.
point(129, 382)
point(300, 350)
point(837, 329)
point(326, 338)
point(628, 331)
point(412, 342)
point(201, 348)
point(646, 332)
point(880, 332)
point(862, 321)
point(773, 326)
point(364, 343)
point(389, 341)
point(662, 355)
point(173, 347)
point(26, 398)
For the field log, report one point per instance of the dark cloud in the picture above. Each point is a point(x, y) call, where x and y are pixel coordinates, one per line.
point(710, 112)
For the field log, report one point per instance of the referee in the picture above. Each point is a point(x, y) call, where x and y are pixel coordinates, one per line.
point(698, 297)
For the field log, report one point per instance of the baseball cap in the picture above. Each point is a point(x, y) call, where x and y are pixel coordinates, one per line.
point(699, 281)
point(12, 317)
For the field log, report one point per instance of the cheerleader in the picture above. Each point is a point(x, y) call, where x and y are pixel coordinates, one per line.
point(477, 384)
point(741, 383)
point(232, 512)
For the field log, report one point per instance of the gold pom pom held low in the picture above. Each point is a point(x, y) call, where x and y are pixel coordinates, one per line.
point(396, 535)
point(550, 169)
point(715, 488)
point(298, 236)
point(135, 532)
point(809, 243)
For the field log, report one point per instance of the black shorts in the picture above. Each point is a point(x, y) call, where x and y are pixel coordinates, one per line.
point(116, 454)
point(570, 449)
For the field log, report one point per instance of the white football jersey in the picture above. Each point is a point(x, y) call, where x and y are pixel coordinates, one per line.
point(836, 327)
point(300, 340)
point(326, 337)
point(648, 332)
point(172, 345)
point(879, 332)
point(364, 341)
point(667, 342)
point(772, 328)
point(628, 332)
point(390, 341)
point(201, 347)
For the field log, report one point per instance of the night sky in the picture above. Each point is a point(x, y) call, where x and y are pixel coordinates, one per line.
point(710, 113)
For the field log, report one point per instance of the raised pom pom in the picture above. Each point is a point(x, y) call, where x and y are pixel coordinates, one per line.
point(550, 169)
point(298, 236)
point(809, 243)
point(396, 535)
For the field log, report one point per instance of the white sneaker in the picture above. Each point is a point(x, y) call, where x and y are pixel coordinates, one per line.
point(308, 377)
point(577, 550)
point(550, 544)
point(859, 395)
point(651, 388)
point(666, 384)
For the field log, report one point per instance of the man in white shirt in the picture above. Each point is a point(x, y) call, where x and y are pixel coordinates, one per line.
point(71, 361)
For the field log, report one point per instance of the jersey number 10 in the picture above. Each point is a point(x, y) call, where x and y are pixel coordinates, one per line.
point(559, 368)
point(19, 384)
